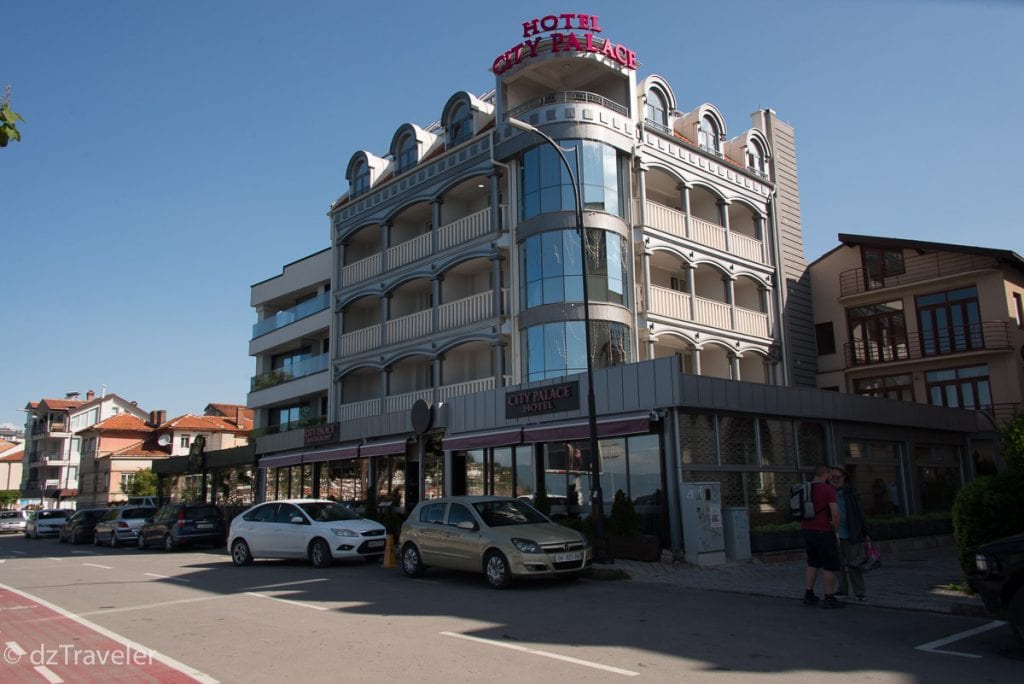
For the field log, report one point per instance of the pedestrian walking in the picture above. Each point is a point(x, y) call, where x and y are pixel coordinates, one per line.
point(853, 535)
point(820, 539)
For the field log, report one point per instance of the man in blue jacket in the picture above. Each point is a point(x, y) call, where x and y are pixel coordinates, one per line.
point(853, 534)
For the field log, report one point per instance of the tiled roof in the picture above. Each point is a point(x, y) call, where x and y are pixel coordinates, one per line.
point(141, 448)
point(15, 455)
point(202, 424)
point(123, 421)
point(62, 404)
point(5, 445)
point(230, 411)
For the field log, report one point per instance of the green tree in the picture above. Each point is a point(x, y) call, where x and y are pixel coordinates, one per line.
point(8, 497)
point(1011, 440)
point(8, 119)
point(143, 484)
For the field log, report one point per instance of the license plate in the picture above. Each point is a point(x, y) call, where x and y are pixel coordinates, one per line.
point(375, 544)
point(204, 526)
point(568, 557)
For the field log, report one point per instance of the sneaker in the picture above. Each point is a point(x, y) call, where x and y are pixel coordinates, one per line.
point(810, 599)
point(831, 603)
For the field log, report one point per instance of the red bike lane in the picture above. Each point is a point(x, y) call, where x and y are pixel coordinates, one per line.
point(42, 642)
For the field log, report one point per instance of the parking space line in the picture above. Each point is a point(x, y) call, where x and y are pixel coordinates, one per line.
point(282, 600)
point(285, 584)
point(97, 565)
point(48, 674)
point(933, 646)
point(53, 558)
point(546, 654)
point(161, 604)
point(168, 577)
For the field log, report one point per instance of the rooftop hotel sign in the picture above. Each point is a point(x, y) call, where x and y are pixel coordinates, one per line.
point(561, 28)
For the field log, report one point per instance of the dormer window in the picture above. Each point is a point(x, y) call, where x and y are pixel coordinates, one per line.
point(756, 159)
point(407, 154)
point(460, 126)
point(656, 111)
point(708, 136)
point(359, 184)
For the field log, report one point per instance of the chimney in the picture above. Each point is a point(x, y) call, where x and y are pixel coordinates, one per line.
point(152, 419)
point(238, 416)
point(161, 417)
point(89, 395)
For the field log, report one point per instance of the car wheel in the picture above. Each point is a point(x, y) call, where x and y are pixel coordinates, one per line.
point(168, 542)
point(74, 536)
point(412, 564)
point(1015, 616)
point(320, 554)
point(496, 568)
point(113, 539)
point(240, 554)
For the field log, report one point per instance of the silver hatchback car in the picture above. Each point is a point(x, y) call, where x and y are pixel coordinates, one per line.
point(502, 537)
point(12, 521)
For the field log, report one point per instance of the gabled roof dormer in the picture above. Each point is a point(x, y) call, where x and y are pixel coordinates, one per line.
point(410, 144)
point(752, 150)
point(364, 169)
point(705, 125)
point(463, 115)
point(658, 102)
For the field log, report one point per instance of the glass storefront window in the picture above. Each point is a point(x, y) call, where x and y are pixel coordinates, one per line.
point(503, 472)
point(526, 478)
point(546, 185)
point(553, 350)
point(778, 446)
point(475, 472)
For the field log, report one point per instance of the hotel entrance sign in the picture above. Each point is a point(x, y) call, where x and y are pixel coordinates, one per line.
point(541, 400)
point(561, 28)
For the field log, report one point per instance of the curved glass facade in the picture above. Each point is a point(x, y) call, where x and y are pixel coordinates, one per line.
point(555, 349)
point(546, 185)
point(551, 269)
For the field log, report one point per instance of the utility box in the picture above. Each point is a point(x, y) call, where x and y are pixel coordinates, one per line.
point(737, 534)
point(703, 529)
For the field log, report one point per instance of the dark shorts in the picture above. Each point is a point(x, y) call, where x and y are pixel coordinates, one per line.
point(822, 550)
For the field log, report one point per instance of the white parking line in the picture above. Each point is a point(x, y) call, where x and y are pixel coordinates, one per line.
point(48, 674)
point(285, 584)
point(53, 558)
point(546, 654)
point(294, 603)
point(168, 577)
point(161, 604)
point(97, 565)
point(933, 646)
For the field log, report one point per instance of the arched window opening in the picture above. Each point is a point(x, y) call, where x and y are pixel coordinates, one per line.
point(359, 183)
point(407, 153)
point(708, 136)
point(460, 126)
point(656, 111)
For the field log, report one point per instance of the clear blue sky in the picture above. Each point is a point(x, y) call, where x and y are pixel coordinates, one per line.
point(176, 153)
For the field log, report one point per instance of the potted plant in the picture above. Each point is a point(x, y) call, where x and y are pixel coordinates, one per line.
point(624, 537)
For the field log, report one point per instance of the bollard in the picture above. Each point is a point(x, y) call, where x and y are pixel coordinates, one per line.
point(389, 554)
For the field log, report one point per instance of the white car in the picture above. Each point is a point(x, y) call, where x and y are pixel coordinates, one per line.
point(46, 522)
point(319, 530)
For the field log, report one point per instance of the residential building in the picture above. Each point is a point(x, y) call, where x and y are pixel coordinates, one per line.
point(11, 465)
point(455, 330)
point(53, 444)
point(935, 323)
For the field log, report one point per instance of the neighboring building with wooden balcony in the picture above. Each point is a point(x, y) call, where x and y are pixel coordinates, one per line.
point(935, 323)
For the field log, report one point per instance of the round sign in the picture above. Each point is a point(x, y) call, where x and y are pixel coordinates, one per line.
point(421, 417)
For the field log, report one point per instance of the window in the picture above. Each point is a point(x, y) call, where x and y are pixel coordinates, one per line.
point(656, 111)
point(708, 136)
point(432, 513)
point(126, 481)
point(1018, 309)
point(950, 322)
point(826, 338)
point(888, 387)
point(458, 514)
point(407, 153)
point(552, 270)
point(359, 183)
point(547, 187)
point(880, 264)
point(555, 349)
point(262, 514)
point(184, 441)
point(966, 388)
point(460, 127)
point(878, 332)
point(757, 159)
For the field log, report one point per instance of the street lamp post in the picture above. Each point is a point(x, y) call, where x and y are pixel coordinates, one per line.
point(596, 496)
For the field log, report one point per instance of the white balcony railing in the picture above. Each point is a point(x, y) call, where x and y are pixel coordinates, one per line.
point(666, 219)
point(364, 269)
point(707, 233)
point(710, 312)
point(359, 409)
point(667, 302)
point(747, 247)
point(465, 229)
point(361, 340)
point(409, 327)
point(404, 402)
point(469, 387)
point(462, 312)
point(409, 251)
point(751, 322)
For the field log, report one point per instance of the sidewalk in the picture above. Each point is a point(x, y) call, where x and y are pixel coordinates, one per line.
point(908, 579)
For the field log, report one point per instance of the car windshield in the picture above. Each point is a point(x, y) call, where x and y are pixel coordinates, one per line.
point(327, 511)
point(43, 515)
point(508, 512)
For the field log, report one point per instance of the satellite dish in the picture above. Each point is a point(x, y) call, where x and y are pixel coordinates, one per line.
point(163, 440)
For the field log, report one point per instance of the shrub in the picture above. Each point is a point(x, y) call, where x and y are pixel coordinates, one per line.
point(623, 520)
point(987, 508)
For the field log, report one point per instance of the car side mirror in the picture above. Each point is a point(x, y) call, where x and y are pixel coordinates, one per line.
point(297, 520)
point(466, 525)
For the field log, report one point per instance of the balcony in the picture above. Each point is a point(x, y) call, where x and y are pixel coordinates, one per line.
point(51, 426)
point(673, 304)
point(450, 316)
point(450, 235)
point(567, 97)
point(985, 336)
point(403, 402)
point(301, 369)
point(285, 427)
point(673, 222)
point(915, 269)
point(297, 312)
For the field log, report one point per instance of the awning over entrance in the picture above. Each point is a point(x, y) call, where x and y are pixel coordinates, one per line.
point(396, 446)
point(606, 427)
point(336, 453)
point(483, 440)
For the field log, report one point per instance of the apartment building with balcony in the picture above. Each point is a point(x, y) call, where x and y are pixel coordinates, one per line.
point(53, 443)
point(935, 323)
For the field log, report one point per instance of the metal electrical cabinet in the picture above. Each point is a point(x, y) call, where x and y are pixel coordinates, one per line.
point(703, 533)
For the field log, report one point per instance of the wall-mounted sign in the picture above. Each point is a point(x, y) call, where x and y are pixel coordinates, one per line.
point(548, 399)
point(561, 28)
point(321, 434)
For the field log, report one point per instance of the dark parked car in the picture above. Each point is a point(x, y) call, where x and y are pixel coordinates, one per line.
point(121, 525)
point(999, 579)
point(79, 528)
point(176, 525)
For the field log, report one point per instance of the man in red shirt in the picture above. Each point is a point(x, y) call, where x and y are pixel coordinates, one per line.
point(820, 539)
